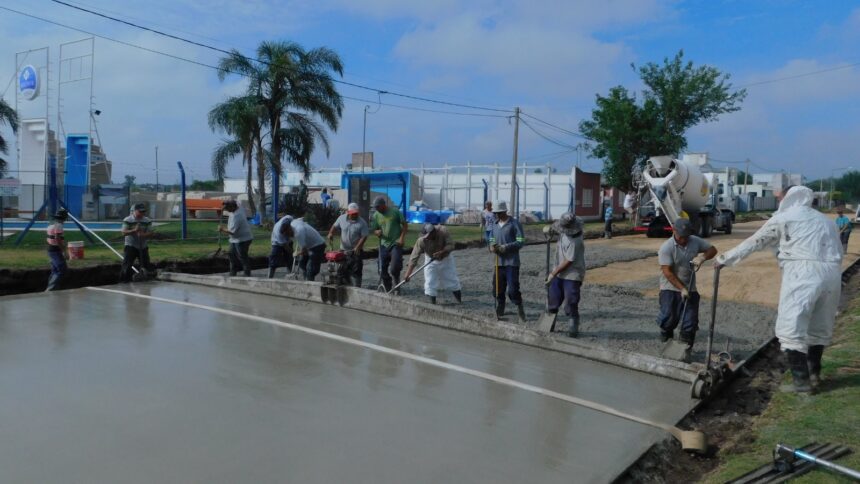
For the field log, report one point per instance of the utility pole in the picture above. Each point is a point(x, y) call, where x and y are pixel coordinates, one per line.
point(156, 169)
point(514, 162)
point(364, 140)
point(746, 176)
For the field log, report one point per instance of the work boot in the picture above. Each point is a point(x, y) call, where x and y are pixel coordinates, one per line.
point(500, 309)
point(396, 282)
point(432, 299)
point(356, 281)
point(688, 337)
point(52, 282)
point(458, 295)
point(607, 235)
point(272, 272)
point(521, 313)
point(799, 367)
point(574, 327)
point(813, 358)
point(666, 335)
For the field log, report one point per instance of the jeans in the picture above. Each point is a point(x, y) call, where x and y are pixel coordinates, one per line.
point(238, 255)
point(509, 282)
point(567, 291)
point(392, 263)
point(843, 237)
point(58, 268)
point(311, 262)
point(671, 307)
point(129, 255)
point(281, 255)
point(354, 268)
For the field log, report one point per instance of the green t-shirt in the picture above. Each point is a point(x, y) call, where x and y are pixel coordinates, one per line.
point(391, 223)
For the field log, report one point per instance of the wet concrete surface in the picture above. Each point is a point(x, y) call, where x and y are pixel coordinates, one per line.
point(101, 387)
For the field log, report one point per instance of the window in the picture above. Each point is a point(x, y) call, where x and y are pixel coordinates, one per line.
point(587, 197)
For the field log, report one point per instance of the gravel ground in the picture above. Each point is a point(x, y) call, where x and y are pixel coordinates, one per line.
point(615, 316)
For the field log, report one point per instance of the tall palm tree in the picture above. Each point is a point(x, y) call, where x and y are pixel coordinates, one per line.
point(238, 117)
point(296, 92)
point(10, 117)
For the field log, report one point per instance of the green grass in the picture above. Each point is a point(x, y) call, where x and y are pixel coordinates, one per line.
point(833, 415)
point(202, 241)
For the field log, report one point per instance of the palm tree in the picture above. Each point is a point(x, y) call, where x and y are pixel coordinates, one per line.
point(238, 117)
point(296, 92)
point(10, 117)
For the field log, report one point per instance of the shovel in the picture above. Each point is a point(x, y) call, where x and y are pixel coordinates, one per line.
point(404, 281)
point(218, 252)
point(546, 322)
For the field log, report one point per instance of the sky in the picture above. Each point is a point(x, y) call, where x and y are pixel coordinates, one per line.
point(550, 58)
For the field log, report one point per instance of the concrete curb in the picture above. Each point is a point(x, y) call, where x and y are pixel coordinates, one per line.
point(377, 303)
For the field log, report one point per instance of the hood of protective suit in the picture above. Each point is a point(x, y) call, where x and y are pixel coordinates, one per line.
point(796, 197)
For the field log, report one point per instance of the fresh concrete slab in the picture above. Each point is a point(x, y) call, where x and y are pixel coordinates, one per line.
point(103, 387)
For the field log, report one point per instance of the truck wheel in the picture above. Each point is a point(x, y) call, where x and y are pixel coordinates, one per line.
point(728, 230)
point(705, 227)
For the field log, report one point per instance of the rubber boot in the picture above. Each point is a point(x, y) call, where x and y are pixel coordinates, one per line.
point(500, 309)
point(272, 272)
point(432, 299)
point(396, 280)
point(799, 367)
point(357, 281)
point(574, 327)
point(666, 335)
point(688, 337)
point(521, 313)
point(458, 295)
point(813, 358)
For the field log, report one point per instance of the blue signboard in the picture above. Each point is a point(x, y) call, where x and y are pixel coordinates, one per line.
point(28, 82)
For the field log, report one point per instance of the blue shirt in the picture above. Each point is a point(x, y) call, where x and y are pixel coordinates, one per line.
point(325, 197)
point(843, 221)
point(608, 215)
point(511, 237)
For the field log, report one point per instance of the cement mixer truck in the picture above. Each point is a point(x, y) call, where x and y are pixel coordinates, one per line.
point(672, 188)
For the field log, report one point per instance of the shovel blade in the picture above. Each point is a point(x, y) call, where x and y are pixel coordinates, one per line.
point(546, 322)
point(676, 350)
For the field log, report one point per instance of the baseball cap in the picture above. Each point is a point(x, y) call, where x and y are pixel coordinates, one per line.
point(683, 227)
point(427, 230)
point(352, 208)
point(141, 207)
point(379, 201)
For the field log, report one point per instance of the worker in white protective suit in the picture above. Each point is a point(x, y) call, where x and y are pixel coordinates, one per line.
point(810, 257)
point(440, 273)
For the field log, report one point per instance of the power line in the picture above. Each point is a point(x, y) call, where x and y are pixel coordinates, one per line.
point(797, 76)
point(261, 61)
point(413, 108)
point(559, 128)
point(546, 137)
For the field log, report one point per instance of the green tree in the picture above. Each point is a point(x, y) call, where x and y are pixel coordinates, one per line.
point(238, 117)
point(207, 185)
point(8, 116)
point(295, 90)
point(677, 96)
point(129, 181)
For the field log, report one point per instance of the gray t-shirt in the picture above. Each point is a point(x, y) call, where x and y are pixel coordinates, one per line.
point(306, 236)
point(351, 231)
point(131, 223)
point(678, 258)
point(237, 224)
point(571, 249)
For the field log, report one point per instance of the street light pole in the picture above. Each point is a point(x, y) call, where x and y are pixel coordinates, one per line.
point(156, 169)
point(364, 139)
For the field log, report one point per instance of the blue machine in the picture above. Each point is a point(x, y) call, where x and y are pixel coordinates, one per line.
point(396, 184)
point(77, 170)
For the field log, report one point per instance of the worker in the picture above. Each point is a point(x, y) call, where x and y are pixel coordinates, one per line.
point(353, 234)
point(136, 229)
point(679, 257)
point(282, 245)
point(488, 219)
point(325, 197)
point(240, 235)
point(440, 273)
point(844, 225)
point(607, 220)
point(505, 242)
point(810, 257)
point(312, 247)
point(57, 249)
point(565, 279)
point(390, 226)
point(303, 191)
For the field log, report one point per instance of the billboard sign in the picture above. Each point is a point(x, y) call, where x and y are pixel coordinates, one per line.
point(10, 187)
point(28, 82)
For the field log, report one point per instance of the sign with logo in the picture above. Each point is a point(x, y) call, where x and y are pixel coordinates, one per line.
point(28, 82)
point(10, 187)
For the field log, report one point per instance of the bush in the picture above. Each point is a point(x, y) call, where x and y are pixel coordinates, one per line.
point(320, 216)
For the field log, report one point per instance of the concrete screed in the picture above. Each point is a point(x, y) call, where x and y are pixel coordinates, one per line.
point(105, 387)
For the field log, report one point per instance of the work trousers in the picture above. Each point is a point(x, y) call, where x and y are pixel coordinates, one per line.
point(509, 282)
point(567, 291)
point(843, 237)
point(354, 268)
point(238, 256)
point(391, 263)
point(281, 256)
point(310, 263)
point(58, 268)
point(129, 256)
point(671, 309)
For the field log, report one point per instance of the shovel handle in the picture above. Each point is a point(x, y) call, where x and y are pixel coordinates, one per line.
point(713, 316)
